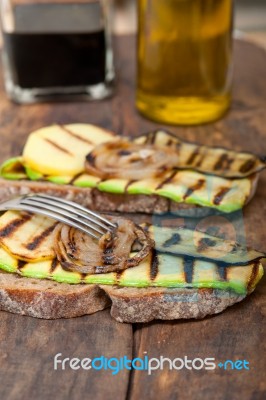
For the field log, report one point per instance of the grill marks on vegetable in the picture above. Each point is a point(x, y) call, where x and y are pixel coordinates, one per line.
point(218, 198)
point(205, 243)
point(219, 161)
point(58, 147)
point(75, 135)
point(155, 262)
point(79, 252)
point(75, 177)
point(54, 264)
point(188, 268)
point(154, 265)
point(9, 229)
point(192, 157)
point(167, 180)
point(253, 275)
point(193, 188)
point(91, 158)
point(222, 272)
point(174, 239)
point(205, 160)
point(151, 137)
point(37, 240)
point(155, 268)
point(248, 165)
point(119, 276)
point(129, 184)
point(21, 264)
point(108, 252)
point(223, 163)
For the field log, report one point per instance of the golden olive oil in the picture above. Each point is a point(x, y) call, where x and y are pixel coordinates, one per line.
point(184, 60)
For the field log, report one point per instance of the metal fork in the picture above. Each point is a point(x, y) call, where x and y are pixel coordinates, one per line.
point(61, 210)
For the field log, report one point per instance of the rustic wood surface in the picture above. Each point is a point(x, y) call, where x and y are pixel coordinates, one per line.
point(28, 345)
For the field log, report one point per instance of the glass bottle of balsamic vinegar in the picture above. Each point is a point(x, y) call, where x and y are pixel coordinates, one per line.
point(184, 60)
point(57, 49)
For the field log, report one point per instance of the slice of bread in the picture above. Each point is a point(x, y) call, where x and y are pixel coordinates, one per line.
point(146, 304)
point(46, 299)
point(50, 300)
point(102, 201)
point(166, 285)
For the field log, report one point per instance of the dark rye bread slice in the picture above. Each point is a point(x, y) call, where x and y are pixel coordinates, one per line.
point(46, 299)
point(100, 201)
point(146, 304)
point(51, 300)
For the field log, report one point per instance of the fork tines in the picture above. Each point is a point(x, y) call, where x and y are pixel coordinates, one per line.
point(68, 212)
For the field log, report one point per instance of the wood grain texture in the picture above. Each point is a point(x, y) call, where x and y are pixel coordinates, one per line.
point(28, 345)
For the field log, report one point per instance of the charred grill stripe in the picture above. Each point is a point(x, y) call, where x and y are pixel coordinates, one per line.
point(67, 266)
point(220, 162)
point(58, 147)
point(199, 162)
point(253, 275)
point(119, 275)
point(188, 268)
point(167, 180)
point(21, 264)
point(72, 181)
point(225, 163)
point(90, 158)
point(128, 184)
point(154, 266)
point(205, 243)
point(54, 264)
point(193, 188)
point(174, 239)
point(192, 157)
point(220, 195)
point(108, 257)
point(248, 165)
point(153, 137)
point(10, 228)
point(123, 153)
point(72, 246)
point(222, 271)
point(229, 162)
point(75, 135)
point(37, 240)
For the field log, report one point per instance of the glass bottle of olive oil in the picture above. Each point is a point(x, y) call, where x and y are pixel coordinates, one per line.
point(184, 60)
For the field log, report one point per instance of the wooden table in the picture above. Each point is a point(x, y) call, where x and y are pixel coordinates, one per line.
point(29, 345)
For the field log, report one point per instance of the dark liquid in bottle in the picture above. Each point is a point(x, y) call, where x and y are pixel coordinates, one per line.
point(51, 60)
